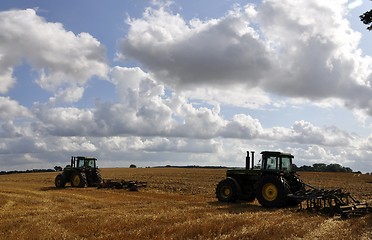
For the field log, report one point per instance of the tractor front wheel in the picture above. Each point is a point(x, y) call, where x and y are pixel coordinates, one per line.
point(226, 191)
point(79, 179)
point(60, 181)
point(272, 191)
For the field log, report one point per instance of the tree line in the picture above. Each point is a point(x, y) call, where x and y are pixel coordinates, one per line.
point(27, 171)
point(322, 167)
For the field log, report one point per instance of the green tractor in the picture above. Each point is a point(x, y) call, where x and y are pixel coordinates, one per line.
point(270, 184)
point(83, 172)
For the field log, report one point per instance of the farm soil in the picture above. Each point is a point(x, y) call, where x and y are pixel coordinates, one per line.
point(177, 204)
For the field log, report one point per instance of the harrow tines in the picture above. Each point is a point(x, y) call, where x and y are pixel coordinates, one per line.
point(331, 202)
point(131, 185)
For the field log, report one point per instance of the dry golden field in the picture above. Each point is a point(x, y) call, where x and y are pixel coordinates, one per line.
point(177, 204)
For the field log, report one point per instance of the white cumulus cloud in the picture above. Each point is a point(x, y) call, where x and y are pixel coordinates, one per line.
point(61, 57)
point(279, 47)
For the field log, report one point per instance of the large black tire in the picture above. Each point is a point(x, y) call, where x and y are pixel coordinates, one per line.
point(272, 191)
point(227, 191)
point(60, 181)
point(99, 176)
point(94, 178)
point(79, 179)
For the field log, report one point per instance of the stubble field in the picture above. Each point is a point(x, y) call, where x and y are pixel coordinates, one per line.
point(177, 204)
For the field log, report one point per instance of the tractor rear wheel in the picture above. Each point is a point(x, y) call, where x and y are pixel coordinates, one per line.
point(95, 178)
point(226, 191)
point(272, 191)
point(79, 179)
point(60, 181)
point(99, 176)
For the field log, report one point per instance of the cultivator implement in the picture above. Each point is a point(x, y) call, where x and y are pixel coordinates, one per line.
point(122, 184)
point(331, 202)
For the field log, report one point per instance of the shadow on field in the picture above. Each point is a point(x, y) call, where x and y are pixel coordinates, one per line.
point(240, 207)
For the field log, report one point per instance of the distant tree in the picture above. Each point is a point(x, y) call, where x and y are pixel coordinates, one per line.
point(319, 167)
point(306, 168)
point(366, 18)
point(334, 167)
point(322, 167)
point(347, 169)
point(58, 168)
point(132, 166)
point(294, 167)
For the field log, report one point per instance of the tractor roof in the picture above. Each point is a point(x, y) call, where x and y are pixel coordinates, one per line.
point(272, 153)
point(88, 158)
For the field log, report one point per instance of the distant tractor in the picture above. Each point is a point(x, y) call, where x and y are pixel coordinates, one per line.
point(270, 184)
point(82, 172)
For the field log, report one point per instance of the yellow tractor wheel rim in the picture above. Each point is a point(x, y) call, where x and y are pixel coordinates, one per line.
point(269, 192)
point(226, 192)
point(76, 180)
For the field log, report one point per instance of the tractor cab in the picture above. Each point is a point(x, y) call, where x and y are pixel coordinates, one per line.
point(83, 162)
point(276, 161)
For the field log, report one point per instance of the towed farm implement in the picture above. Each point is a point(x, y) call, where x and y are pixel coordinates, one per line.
point(330, 202)
point(121, 184)
point(84, 172)
point(275, 184)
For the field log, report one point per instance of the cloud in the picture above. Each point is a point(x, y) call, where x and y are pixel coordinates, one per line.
point(14, 120)
point(253, 98)
point(63, 60)
point(10, 109)
point(307, 133)
point(194, 133)
point(7, 80)
point(145, 110)
point(242, 126)
point(317, 61)
point(169, 110)
point(154, 127)
point(355, 4)
point(63, 121)
point(288, 53)
point(213, 52)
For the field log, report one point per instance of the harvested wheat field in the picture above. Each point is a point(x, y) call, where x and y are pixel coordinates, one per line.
point(177, 204)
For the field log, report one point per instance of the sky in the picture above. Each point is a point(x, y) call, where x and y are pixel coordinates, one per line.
point(184, 82)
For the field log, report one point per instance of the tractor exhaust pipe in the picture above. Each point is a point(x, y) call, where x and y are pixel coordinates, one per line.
point(252, 152)
point(247, 161)
point(248, 164)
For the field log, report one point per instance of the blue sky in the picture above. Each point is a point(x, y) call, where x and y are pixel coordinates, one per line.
point(184, 83)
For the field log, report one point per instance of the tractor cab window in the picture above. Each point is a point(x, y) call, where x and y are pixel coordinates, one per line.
point(91, 163)
point(80, 163)
point(86, 163)
point(286, 164)
point(271, 163)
